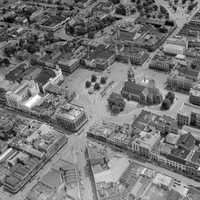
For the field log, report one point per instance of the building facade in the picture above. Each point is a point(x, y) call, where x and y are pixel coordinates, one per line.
point(70, 117)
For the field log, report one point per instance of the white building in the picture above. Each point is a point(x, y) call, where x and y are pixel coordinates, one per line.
point(25, 96)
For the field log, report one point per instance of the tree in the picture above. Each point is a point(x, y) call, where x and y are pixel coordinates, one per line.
point(193, 65)
point(97, 86)
point(87, 84)
point(115, 1)
point(9, 50)
point(91, 35)
point(49, 37)
point(115, 109)
point(121, 10)
point(170, 96)
point(6, 62)
point(33, 61)
point(169, 23)
point(184, 1)
point(21, 55)
point(103, 80)
point(155, 7)
point(27, 11)
point(32, 48)
point(163, 29)
point(93, 78)
point(116, 103)
point(21, 43)
point(166, 104)
point(32, 38)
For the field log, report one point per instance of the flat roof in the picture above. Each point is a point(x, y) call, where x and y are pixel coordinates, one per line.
point(168, 47)
point(148, 139)
point(70, 114)
point(186, 109)
point(195, 92)
point(180, 152)
point(103, 129)
point(172, 138)
point(117, 166)
point(162, 179)
point(32, 101)
point(52, 179)
point(196, 157)
point(101, 52)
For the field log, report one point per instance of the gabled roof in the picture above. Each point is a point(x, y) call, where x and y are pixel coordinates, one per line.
point(133, 87)
point(186, 141)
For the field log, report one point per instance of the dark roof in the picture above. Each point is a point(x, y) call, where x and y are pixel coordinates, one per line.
point(180, 152)
point(11, 180)
point(189, 72)
point(101, 52)
point(21, 171)
point(126, 35)
point(115, 97)
point(132, 87)
point(186, 141)
point(44, 76)
point(17, 73)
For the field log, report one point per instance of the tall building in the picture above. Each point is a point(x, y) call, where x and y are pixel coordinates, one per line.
point(146, 142)
point(70, 117)
point(145, 93)
point(189, 115)
point(179, 83)
point(195, 95)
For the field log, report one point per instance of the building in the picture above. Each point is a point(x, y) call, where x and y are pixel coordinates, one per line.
point(188, 72)
point(20, 174)
point(173, 49)
point(71, 55)
point(146, 142)
point(70, 117)
point(141, 35)
point(2, 96)
point(178, 151)
point(189, 115)
point(99, 57)
point(62, 175)
point(43, 76)
point(7, 128)
point(46, 140)
point(144, 94)
point(175, 46)
point(69, 65)
point(53, 23)
point(17, 74)
point(30, 155)
point(46, 76)
point(136, 56)
point(161, 63)
point(179, 83)
point(194, 97)
point(25, 96)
